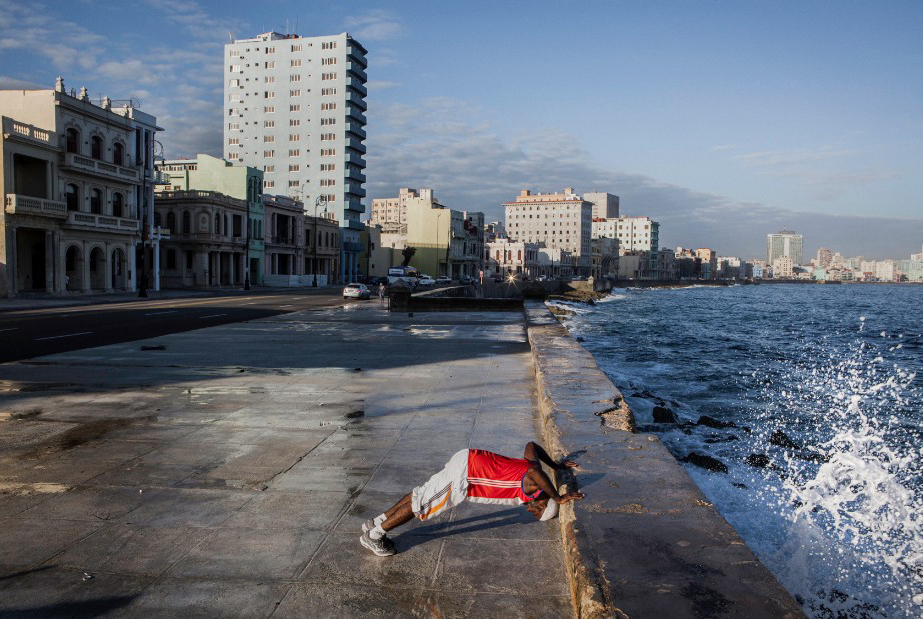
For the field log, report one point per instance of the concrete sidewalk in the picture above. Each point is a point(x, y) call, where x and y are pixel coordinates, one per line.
point(228, 474)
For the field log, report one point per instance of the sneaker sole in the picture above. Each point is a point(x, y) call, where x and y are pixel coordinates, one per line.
point(372, 548)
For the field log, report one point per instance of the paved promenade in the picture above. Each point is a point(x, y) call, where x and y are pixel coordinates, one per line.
point(228, 474)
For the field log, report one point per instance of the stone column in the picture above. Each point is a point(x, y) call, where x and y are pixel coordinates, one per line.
point(218, 268)
point(132, 267)
point(108, 270)
point(85, 267)
point(50, 284)
point(155, 271)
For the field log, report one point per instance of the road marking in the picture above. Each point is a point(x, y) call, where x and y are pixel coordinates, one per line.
point(10, 329)
point(157, 313)
point(54, 337)
point(212, 316)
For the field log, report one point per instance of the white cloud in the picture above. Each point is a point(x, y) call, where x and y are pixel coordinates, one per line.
point(376, 25)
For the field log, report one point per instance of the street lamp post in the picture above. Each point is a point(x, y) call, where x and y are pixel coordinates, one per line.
point(252, 189)
point(319, 201)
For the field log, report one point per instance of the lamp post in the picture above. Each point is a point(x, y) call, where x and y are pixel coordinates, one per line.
point(252, 191)
point(317, 202)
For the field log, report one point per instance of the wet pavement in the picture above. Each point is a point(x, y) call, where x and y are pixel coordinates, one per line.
point(228, 474)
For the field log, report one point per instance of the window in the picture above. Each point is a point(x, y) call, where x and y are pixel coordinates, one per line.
point(293, 183)
point(118, 205)
point(294, 93)
point(296, 62)
point(235, 53)
point(328, 121)
point(269, 184)
point(269, 109)
point(328, 106)
point(296, 47)
point(269, 124)
point(270, 64)
point(327, 61)
point(330, 197)
point(171, 259)
point(294, 78)
point(234, 126)
point(70, 196)
point(233, 111)
point(156, 219)
point(270, 94)
point(294, 137)
point(295, 107)
point(328, 76)
point(217, 223)
point(269, 138)
point(118, 153)
point(190, 257)
point(294, 122)
point(294, 167)
point(269, 168)
point(234, 141)
point(270, 79)
point(96, 147)
point(234, 83)
point(328, 152)
point(328, 45)
point(327, 167)
point(294, 152)
point(72, 137)
point(271, 50)
point(234, 68)
point(328, 91)
point(328, 182)
point(96, 202)
point(187, 222)
point(171, 222)
point(328, 136)
point(269, 153)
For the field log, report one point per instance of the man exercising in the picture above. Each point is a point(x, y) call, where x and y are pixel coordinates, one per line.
point(479, 476)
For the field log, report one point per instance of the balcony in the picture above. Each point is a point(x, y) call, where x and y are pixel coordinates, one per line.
point(208, 237)
point(101, 222)
point(353, 174)
point(27, 205)
point(355, 189)
point(354, 114)
point(357, 70)
point(287, 241)
point(355, 84)
point(355, 144)
point(356, 130)
point(354, 98)
point(357, 57)
point(100, 168)
point(31, 133)
point(355, 159)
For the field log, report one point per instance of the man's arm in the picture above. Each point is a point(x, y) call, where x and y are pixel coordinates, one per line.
point(538, 477)
point(535, 453)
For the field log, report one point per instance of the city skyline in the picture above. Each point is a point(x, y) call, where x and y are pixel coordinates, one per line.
point(723, 122)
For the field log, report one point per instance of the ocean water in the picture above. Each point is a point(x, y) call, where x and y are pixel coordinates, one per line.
point(824, 388)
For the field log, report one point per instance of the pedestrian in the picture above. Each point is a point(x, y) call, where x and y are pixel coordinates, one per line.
point(481, 477)
point(381, 293)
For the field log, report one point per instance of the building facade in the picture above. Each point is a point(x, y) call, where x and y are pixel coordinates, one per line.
point(605, 257)
point(295, 108)
point(505, 257)
point(77, 185)
point(634, 234)
point(784, 243)
point(230, 179)
point(556, 221)
point(605, 205)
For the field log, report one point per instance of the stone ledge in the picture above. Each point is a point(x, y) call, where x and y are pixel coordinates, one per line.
point(644, 542)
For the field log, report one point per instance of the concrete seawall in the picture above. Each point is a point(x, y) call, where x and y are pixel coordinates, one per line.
point(644, 542)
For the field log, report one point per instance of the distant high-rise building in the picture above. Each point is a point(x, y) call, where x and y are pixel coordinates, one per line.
point(295, 107)
point(824, 257)
point(784, 243)
point(605, 205)
point(557, 220)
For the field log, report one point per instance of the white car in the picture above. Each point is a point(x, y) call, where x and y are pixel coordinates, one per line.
point(356, 291)
point(443, 279)
point(426, 280)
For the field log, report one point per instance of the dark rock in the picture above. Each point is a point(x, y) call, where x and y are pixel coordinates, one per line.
point(781, 439)
point(711, 422)
point(354, 414)
point(721, 438)
point(760, 461)
point(357, 369)
point(706, 462)
point(663, 414)
point(813, 456)
point(579, 339)
point(590, 302)
point(739, 485)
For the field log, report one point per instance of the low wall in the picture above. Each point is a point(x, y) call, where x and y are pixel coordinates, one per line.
point(293, 281)
point(404, 301)
point(644, 542)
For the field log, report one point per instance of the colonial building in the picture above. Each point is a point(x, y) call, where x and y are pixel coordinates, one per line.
point(557, 221)
point(301, 250)
point(212, 175)
point(77, 183)
point(605, 257)
point(506, 257)
point(555, 263)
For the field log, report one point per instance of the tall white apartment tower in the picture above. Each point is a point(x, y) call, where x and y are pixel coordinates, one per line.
point(784, 243)
point(295, 107)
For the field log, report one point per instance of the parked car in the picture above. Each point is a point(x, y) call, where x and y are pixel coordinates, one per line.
point(578, 278)
point(466, 280)
point(426, 280)
point(356, 291)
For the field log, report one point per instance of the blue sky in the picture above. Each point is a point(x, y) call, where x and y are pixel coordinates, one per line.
point(723, 120)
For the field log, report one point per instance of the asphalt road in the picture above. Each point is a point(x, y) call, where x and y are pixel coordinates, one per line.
point(25, 334)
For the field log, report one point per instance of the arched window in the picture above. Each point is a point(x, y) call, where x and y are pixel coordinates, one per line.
point(72, 137)
point(96, 147)
point(117, 205)
point(498, 255)
point(187, 222)
point(96, 201)
point(519, 255)
point(157, 219)
point(118, 154)
point(171, 221)
point(72, 197)
point(217, 223)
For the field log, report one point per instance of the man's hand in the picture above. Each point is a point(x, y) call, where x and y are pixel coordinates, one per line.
point(570, 496)
point(567, 464)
